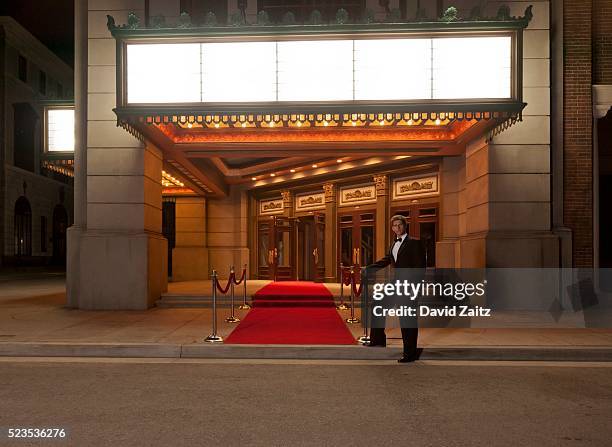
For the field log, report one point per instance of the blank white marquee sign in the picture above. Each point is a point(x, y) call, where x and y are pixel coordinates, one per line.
point(321, 70)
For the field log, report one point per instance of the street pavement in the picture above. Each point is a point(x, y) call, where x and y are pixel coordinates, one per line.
point(182, 402)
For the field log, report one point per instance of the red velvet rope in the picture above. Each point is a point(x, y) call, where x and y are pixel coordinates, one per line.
point(229, 282)
point(242, 278)
point(346, 277)
point(357, 290)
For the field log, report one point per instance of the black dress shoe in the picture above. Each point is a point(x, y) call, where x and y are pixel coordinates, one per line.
point(408, 358)
point(373, 345)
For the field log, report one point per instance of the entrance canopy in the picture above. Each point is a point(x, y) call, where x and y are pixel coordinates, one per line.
point(357, 90)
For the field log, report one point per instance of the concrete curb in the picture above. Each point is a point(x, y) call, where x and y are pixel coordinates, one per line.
point(301, 352)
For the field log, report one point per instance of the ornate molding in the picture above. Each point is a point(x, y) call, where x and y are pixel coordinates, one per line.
point(272, 206)
point(382, 185)
point(286, 195)
point(411, 187)
point(355, 195)
point(329, 190)
point(341, 22)
point(310, 201)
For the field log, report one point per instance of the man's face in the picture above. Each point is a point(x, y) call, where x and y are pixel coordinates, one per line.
point(398, 227)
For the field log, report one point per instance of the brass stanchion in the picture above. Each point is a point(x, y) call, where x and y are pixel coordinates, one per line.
point(364, 306)
point(353, 319)
point(232, 318)
point(342, 305)
point(244, 305)
point(214, 338)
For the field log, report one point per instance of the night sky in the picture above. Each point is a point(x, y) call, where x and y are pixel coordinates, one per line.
point(51, 21)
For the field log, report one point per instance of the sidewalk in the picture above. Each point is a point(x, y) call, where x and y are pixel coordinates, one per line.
point(35, 321)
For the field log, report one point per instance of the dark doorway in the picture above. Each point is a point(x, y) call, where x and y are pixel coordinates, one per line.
point(357, 237)
point(422, 224)
point(311, 246)
point(23, 227)
point(60, 225)
point(169, 228)
point(604, 143)
point(25, 121)
point(276, 248)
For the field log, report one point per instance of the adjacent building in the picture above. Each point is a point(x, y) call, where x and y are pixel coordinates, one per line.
point(36, 204)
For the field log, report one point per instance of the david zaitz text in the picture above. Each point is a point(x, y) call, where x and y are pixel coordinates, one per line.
point(401, 291)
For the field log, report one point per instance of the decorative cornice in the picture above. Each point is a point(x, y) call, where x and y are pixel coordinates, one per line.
point(450, 20)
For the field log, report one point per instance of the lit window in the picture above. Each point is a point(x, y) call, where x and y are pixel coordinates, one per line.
point(60, 130)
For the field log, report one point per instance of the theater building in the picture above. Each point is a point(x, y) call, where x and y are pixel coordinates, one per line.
point(285, 139)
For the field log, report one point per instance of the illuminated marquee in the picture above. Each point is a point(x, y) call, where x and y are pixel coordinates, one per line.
point(424, 69)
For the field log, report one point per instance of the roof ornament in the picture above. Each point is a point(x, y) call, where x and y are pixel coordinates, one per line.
point(133, 21)
point(503, 13)
point(263, 18)
point(450, 15)
point(184, 20)
point(369, 16)
point(211, 19)
point(342, 16)
point(236, 19)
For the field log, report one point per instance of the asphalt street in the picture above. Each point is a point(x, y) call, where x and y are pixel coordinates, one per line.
point(173, 402)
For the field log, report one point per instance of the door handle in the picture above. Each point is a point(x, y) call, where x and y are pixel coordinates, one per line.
point(270, 257)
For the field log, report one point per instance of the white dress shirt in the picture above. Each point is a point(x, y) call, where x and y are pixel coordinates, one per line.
point(397, 245)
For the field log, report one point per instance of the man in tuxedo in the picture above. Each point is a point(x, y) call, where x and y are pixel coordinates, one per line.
point(405, 253)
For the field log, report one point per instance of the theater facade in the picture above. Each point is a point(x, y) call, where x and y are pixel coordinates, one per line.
point(287, 147)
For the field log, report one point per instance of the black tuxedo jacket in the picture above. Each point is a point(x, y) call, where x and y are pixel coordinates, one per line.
point(411, 254)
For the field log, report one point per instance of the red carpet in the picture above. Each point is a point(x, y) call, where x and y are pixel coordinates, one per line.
point(292, 313)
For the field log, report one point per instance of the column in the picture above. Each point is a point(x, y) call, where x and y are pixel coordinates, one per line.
point(331, 236)
point(382, 215)
point(228, 231)
point(190, 254)
point(122, 257)
point(80, 154)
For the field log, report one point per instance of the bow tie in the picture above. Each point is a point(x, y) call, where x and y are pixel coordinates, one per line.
point(398, 239)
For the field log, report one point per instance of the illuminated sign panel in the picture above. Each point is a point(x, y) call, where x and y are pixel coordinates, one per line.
point(321, 70)
point(60, 130)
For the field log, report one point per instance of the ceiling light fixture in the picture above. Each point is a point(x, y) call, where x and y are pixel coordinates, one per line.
point(292, 170)
point(272, 175)
point(253, 178)
point(315, 166)
point(339, 160)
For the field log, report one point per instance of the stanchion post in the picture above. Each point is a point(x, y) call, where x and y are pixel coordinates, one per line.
point(232, 318)
point(353, 319)
point(342, 305)
point(244, 305)
point(364, 306)
point(214, 338)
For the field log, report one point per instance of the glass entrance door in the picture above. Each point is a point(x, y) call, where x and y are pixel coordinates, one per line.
point(310, 248)
point(275, 255)
point(423, 225)
point(357, 238)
